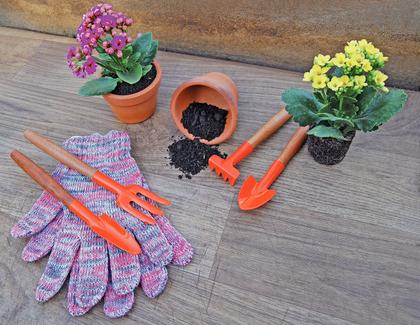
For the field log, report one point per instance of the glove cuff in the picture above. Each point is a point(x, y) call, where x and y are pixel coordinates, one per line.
point(96, 148)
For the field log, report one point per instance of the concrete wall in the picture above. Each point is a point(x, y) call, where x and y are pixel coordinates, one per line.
point(285, 34)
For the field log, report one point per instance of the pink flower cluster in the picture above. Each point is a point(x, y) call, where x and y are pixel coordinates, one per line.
point(103, 28)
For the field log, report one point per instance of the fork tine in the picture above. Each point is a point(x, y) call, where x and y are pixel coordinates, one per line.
point(152, 196)
point(136, 213)
point(146, 205)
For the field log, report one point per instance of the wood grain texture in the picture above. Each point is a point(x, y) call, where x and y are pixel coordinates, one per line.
point(336, 245)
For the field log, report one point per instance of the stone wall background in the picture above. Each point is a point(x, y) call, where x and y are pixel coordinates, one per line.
point(284, 34)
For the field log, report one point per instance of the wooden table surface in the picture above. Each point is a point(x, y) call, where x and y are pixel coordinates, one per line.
point(337, 245)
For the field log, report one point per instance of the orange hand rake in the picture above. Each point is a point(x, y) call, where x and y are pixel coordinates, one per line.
point(254, 194)
point(225, 167)
point(126, 195)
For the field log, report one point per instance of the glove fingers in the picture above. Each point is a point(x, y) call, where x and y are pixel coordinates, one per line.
point(116, 305)
point(154, 244)
point(182, 249)
point(73, 308)
point(59, 264)
point(153, 278)
point(93, 270)
point(42, 212)
point(125, 270)
point(41, 243)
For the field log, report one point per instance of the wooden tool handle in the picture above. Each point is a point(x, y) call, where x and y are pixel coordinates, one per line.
point(59, 153)
point(294, 144)
point(40, 176)
point(269, 128)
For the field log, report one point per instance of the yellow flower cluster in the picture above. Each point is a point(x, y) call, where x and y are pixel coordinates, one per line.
point(358, 67)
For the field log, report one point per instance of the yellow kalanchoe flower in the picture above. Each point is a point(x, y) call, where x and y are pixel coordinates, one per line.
point(360, 81)
point(319, 81)
point(321, 60)
point(335, 83)
point(379, 77)
point(371, 49)
point(339, 60)
point(346, 82)
point(366, 66)
point(307, 76)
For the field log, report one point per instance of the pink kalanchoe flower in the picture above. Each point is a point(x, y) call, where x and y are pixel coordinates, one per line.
point(119, 42)
point(90, 65)
point(71, 53)
point(108, 21)
point(119, 54)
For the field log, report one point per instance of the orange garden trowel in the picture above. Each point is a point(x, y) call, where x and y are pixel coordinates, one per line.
point(226, 167)
point(254, 194)
point(103, 225)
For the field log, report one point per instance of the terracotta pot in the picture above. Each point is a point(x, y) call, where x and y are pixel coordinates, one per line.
point(213, 88)
point(136, 107)
point(329, 151)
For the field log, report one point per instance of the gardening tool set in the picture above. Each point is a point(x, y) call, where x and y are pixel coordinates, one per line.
point(254, 194)
point(100, 223)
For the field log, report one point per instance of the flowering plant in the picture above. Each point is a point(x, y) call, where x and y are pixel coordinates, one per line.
point(349, 93)
point(103, 41)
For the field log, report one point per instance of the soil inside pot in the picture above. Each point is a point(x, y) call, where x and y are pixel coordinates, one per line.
point(204, 121)
point(329, 151)
point(191, 156)
point(124, 88)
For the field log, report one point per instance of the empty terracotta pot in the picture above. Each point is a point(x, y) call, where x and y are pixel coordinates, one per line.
point(136, 107)
point(213, 88)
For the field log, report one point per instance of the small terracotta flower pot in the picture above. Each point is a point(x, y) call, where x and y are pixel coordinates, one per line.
point(213, 88)
point(136, 107)
point(328, 151)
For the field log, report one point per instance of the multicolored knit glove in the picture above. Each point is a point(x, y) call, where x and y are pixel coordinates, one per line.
point(97, 268)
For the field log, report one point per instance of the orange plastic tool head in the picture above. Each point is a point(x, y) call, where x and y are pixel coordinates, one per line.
point(251, 196)
point(254, 194)
point(128, 197)
point(225, 167)
point(107, 228)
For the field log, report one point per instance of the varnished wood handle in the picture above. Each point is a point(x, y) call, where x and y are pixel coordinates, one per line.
point(59, 153)
point(40, 176)
point(269, 128)
point(294, 144)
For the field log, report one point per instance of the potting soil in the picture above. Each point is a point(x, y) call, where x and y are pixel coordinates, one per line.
point(190, 156)
point(204, 121)
point(124, 88)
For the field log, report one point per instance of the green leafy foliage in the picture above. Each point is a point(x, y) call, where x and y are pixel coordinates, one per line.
point(135, 63)
point(335, 117)
point(322, 131)
point(98, 86)
point(131, 76)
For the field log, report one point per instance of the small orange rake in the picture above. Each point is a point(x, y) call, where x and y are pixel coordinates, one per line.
point(126, 195)
point(225, 167)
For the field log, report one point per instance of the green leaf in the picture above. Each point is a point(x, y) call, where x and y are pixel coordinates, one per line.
point(348, 106)
point(127, 50)
point(333, 118)
point(338, 72)
point(322, 131)
point(132, 76)
point(98, 86)
point(365, 98)
point(302, 105)
point(381, 109)
point(104, 57)
point(142, 44)
point(146, 69)
point(134, 57)
point(116, 66)
point(150, 55)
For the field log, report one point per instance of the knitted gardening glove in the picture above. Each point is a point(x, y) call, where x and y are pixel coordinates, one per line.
point(74, 246)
